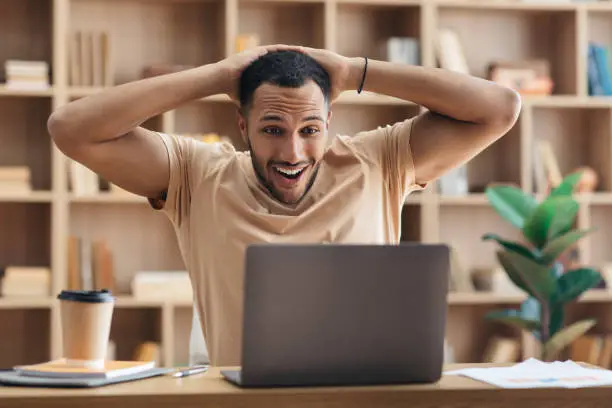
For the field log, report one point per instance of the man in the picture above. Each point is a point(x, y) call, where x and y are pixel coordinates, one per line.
point(294, 185)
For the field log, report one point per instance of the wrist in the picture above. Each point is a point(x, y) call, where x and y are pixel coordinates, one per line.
point(213, 79)
point(355, 76)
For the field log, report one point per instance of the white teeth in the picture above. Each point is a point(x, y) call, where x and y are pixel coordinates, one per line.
point(289, 172)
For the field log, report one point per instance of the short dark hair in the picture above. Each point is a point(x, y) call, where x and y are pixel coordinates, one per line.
point(282, 68)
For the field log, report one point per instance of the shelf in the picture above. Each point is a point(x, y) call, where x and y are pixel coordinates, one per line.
point(25, 28)
point(369, 98)
point(26, 302)
point(499, 163)
point(564, 101)
point(210, 117)
point(578, 137)
point(8, 91)
point(600, 248)
point(472, 251)
point(111, 198)
point(146, 240)
point(464, 200)
point(197, 32)
point(131, 327)
point(363, 28)
point(486, 298)
point(180, 306)
point(349, 120)
point(507, 5)
point(128, 301)
point(276, 22)
point(490, 34)
point(28, 197)
point(24, 138)
point(600, 26)
point(26, 336)
point(154, 32)
point(26, 234)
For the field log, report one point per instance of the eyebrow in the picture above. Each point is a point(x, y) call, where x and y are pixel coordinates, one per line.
point(278, 118)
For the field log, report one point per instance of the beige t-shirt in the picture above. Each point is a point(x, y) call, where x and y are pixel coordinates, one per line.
point(218, 208)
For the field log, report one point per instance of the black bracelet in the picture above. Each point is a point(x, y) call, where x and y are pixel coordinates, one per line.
point(365, 69)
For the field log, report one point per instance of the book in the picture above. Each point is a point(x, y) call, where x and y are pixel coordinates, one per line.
point(60, 369)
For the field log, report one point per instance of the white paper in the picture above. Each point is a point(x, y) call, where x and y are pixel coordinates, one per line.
point(533, 373)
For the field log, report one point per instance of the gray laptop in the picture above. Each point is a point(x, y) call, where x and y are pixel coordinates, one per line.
point(331, 314)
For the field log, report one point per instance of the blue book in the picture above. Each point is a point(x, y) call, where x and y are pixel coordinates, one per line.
point(594, 85)
point(601, 58)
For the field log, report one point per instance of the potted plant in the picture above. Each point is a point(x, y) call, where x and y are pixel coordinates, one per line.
point(535, 266)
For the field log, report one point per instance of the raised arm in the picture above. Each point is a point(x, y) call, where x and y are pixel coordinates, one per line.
point(103, 131)
point(465, 114)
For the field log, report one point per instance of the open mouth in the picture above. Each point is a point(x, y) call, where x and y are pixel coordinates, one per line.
point(289, 173)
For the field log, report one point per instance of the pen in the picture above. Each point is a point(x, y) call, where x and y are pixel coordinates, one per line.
point(191, 371)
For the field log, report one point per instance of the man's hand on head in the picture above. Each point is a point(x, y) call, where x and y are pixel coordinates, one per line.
point(234, 65)
point(345, 73)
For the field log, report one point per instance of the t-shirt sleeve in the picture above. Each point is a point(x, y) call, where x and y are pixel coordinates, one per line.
point(174, 202)
point(388, 147)
point(190, 162)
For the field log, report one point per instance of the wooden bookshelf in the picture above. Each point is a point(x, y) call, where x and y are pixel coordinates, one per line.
point(36, 224)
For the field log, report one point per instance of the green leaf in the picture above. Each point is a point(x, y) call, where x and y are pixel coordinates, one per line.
point(514, 318)
point(565, 337)
point(553, 249)
point(553, 217)
point(538, 278)
point(515, 276)
point(567, 185)
point(575, 282)
point(510, 245)
point(511, 203)
point(557, 318)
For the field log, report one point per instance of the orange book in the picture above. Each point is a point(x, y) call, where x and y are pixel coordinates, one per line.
point(59, 369)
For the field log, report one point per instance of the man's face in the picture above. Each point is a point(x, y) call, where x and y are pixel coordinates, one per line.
point(286, 130)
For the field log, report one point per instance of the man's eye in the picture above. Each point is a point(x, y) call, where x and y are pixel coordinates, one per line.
point(310, 130)
point(272, 130)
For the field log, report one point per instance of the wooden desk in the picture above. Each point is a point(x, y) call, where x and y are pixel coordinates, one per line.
point(210, 390)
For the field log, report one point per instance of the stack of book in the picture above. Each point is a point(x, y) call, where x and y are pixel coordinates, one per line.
point(27, 75)
point(15, 179)
point(402, 50)
point(167, 285)
point(90, 59)
point(19, 281)
point(90, 264)
point(83, 181)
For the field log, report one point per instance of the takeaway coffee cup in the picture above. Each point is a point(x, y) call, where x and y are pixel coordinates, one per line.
point(86, 322)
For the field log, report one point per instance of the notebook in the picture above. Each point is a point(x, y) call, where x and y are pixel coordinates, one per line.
point(60, 369)
point(13, 378)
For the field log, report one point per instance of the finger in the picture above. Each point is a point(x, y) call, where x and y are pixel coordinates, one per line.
point(284, 47)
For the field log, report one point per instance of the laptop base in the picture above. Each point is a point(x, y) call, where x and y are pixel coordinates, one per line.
point(235, 377)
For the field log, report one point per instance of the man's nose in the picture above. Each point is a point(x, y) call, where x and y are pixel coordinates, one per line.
point(293, 150)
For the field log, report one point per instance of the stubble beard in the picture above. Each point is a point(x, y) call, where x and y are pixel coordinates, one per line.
point(260, 173)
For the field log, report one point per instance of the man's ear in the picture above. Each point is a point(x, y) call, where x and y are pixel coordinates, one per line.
point(242, 125)
point(329, 117)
